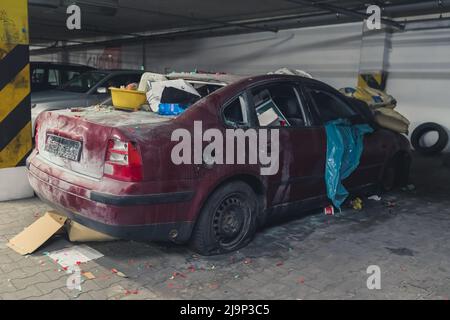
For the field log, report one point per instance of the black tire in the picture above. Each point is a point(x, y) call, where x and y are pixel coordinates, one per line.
point(227, 221)
point(423, 129)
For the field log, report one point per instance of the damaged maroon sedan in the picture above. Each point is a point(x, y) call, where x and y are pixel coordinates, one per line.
point(113, 171)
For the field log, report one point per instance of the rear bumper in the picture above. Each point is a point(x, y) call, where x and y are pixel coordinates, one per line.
point(158, 216)
point(175, 231)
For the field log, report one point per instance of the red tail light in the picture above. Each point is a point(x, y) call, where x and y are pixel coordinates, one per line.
point(123, 161)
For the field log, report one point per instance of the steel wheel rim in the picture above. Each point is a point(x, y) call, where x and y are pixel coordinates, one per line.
point(231, 220)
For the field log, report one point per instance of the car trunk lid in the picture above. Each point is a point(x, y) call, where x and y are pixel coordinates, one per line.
point(77, 139)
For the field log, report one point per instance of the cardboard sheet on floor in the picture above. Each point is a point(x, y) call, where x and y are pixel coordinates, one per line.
point(35, 235)
point(80, 233)
point(74, 255)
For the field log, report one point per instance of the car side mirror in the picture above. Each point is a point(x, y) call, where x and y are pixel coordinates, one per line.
point(102, 90)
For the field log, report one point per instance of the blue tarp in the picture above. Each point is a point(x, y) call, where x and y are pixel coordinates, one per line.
point(344, 149)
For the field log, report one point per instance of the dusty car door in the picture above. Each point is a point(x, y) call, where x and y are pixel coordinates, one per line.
point(299, 180)
point(327, 104)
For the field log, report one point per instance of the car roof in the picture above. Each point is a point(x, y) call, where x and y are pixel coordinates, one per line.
point(240, 85)
point(273, 77)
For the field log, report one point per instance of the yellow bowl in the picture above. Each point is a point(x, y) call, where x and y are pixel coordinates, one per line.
point(127, 99)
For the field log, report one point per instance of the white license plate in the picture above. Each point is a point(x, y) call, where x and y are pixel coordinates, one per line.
point(63, 147)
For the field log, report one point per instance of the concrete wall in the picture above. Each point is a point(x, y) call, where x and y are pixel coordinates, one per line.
point(419, 75)
point(330, 53)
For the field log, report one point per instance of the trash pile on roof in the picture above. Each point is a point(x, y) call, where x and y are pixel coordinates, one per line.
point(171, 97)
point(168, 95)
point(382, 105)
point(292, 72)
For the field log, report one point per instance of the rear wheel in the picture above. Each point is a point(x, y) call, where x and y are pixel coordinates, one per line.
point(227, 221)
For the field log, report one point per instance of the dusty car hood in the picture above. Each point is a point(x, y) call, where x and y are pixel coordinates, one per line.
point(54, 95)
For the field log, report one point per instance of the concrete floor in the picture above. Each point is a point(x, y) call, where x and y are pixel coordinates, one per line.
point(310, 257)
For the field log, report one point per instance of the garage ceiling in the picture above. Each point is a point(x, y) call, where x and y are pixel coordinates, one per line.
point(109, 20)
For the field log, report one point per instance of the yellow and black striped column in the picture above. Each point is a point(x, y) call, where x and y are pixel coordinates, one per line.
point(15, 110)
point(375, 80)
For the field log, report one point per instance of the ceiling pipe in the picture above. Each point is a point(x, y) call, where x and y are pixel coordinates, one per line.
point(205, 20)
point(344, 11)
point(283, 22)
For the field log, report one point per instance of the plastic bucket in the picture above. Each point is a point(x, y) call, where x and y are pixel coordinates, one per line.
point(127, 99)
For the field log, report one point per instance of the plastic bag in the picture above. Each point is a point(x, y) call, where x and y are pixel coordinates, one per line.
point(344, 148)
point(171, 109)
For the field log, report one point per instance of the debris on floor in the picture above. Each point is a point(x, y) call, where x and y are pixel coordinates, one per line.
point(374, 198)
point(357, 204)
point(301, 280)
point(35, 235)
point(177, 275)
point(390, 204)
point(50, 224)
point(80, 233)
point(75, 255)
point(117, 272)
point(88, 275)
point(329, 211)
point(130, 292)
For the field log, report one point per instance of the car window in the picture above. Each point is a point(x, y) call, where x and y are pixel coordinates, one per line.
point(235, 112)
point(67, 75)
point(84, 82)
point(38, 76)
point(278, 105)
point(328, 104)
point(53, 77)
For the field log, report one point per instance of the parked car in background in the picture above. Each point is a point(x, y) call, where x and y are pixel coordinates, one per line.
point(113, 171)
point(84, 90)
point(50, 75)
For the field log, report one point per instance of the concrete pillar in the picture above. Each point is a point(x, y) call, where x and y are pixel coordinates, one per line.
point(374, 54)
point(15, 110)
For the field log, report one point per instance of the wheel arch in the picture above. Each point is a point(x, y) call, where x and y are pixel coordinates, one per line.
point(401, 160)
